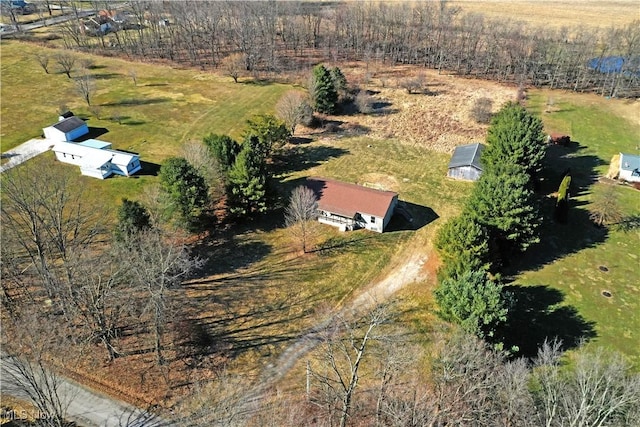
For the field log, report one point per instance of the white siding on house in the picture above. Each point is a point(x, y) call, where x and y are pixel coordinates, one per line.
point(626, 175)
point(54, 134)
point(96, 162)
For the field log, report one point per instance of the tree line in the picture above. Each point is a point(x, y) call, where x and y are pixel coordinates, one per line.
point(500, 220)
point(280, 36)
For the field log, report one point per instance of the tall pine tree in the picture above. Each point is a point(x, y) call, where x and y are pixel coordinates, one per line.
point(515, 137)
point(246, 188)
point(186, 188)
point(504, 202)
point(322, 90)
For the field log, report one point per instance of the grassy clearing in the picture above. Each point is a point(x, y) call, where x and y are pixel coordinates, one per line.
point(570, 256)
point(166, 108)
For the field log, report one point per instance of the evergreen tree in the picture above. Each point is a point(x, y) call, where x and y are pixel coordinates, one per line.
point(322, 90)
point(462, 244)
point(472, 301)
point(271, 132)
point(133, 217)
point(562, 203)
point(504, 202)
point(223, 148)
point(246, 189)
point(339, 81)
point(185, 187)
point(514, 137)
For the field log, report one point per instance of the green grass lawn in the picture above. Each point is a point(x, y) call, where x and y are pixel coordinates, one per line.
point(166, 108)
point(570, 256)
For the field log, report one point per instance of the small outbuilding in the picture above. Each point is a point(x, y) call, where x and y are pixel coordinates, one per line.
point(67, 129)
point(629, 169)
point(465, 162)
point(350, 206)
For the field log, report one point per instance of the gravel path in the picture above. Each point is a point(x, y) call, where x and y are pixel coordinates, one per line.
point(24, 152)
point(408, 272)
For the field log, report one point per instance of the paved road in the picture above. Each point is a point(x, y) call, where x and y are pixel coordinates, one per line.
point(24, 152)
point(46, 22)
point(88, 408)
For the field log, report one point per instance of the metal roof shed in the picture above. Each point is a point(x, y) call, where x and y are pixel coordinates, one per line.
point(465, 163)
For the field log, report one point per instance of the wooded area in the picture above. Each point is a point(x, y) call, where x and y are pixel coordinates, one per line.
point(271, 36)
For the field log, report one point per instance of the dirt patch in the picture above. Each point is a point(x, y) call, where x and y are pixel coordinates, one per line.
point(380, 181)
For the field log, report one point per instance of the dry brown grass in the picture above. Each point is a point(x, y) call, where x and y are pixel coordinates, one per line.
point(557, 14)
point(438, 119)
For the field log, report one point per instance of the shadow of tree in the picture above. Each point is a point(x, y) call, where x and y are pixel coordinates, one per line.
point(105, 76)
point(536, 314)
point(218, 322)
point(559, 240)
point(301, 157)
point(579, 232)
point(131, 102)
point(148, 169)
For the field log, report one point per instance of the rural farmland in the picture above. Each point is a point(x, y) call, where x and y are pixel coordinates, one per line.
point(205, 286)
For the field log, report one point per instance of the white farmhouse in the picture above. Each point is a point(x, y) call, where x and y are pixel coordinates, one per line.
point(350, 206)
point(97, 159)
point(67, 129)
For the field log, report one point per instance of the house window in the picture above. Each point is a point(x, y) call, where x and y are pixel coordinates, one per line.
point(373, 219)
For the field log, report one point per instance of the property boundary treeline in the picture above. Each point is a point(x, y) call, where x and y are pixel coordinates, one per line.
point(279, 36)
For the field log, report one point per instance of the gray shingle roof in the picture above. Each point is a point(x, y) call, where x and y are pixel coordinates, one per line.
point(467, 155)
point(69, 124)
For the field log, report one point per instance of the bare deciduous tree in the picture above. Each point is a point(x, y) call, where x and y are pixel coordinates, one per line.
point(26, 369)
point(364, 102)
point(301, 213)
point(156, 263)
point(199, 155)
point(291, 109)
point(66, 62)
point(605, 209)
point(222, 402)
point(600, 390)
point(47, 229)
point(342, 354)
point(234, 65)
point(481, 110)
point(43, 60)
point(413, 84)
point(85, 86)
point(134, 76)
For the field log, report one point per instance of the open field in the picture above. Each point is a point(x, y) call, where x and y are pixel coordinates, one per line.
point(257, 293)
point(571, 256)
point(557, 14)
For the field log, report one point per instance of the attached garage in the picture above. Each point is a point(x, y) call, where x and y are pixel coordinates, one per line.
point(67, 129)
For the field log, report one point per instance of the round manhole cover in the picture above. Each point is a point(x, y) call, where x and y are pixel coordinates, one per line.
point(606, 294)
point(603, 268)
